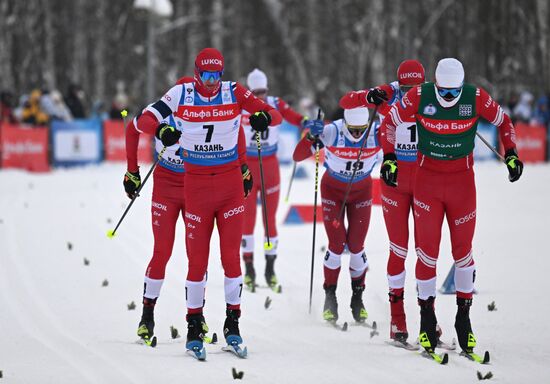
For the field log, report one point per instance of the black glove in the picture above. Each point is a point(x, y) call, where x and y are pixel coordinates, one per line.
point(514, 165)
point(376, 96)
point(132, 181)
point(259, 121)
point(247, 179)
point(388, 171)
point(167, 134)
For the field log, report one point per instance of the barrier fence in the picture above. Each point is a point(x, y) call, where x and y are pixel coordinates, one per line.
point(91, 141)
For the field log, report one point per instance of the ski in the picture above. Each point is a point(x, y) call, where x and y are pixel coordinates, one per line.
point(196, 349)
point(252, 288)
point(234, 346)
point(148, 342)
point(341, 327)
point(211, 340)
point(403, 344)
point(443, 345)
point(373, 326)
point(475, 357)
point(438, 358)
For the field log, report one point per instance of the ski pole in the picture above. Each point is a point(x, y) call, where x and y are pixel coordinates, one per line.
point(490, 147)
point(111, 234)
point(290, 183)
point(314, 213)
point(336, 221)
point(267, 245)
point(293, 173)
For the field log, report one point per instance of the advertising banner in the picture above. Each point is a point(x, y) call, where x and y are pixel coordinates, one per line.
point(115, 143)
point(76, 142)
point(531, 142)
point(25, 148)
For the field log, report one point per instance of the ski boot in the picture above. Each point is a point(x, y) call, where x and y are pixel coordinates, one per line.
point(231, 325)
point(428, 322)
point(466, 338)
point(196, 331)
point(232, 334)
point(250, 274)
point(147, 323)
point(270, 277)
point(357, 308)
point(330, 310)
point(398, 324)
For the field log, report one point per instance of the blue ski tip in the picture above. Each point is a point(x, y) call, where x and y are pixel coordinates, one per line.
point(234, 340)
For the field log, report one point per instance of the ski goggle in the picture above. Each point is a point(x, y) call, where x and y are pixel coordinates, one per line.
point(449, 92)
point(356, 129)
point(211, 77)
point(259, 92)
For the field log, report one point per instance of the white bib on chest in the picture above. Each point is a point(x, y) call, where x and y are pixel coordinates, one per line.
point(341, 152)
point(210, 130)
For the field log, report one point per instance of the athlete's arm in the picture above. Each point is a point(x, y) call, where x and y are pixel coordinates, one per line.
point(288, 113)
point(356, 99)
point(399, 112)
point(491, 111)
point(132, 142)
point(159, 110)
point(252, 104)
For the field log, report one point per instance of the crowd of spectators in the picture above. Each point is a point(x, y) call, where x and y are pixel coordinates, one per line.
point(40, 107)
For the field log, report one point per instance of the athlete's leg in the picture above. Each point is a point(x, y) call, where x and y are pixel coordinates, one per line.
point(229, 219)
point(199, 214)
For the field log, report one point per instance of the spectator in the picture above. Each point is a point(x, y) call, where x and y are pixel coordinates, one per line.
point(52, 103)
point(75, 101)
point(523, 111)
point(32, 113)
point(120, 103)
point(542, 111)
point(6, 108)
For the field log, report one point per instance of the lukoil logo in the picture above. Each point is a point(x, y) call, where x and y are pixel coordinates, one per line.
point(410, 75)
point(159, 206)
point(422, 205)
point(234, 211)
point(193, 217)
point(211, 61)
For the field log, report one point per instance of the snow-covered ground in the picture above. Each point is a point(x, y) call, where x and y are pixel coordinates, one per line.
point(60, 324)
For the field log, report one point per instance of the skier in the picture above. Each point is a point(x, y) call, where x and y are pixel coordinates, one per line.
point(207, 114)
point(397, 201)
point(166, 205)
point(257, 84)
point(342, 141)
point(447, 114)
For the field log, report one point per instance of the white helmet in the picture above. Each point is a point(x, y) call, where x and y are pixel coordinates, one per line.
point(357, 117)
point(449, 73)
point(256, 80)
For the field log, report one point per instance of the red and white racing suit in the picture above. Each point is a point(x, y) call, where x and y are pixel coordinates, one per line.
point(444, 187)
point(272, 176)
point(341, 151)
point(213, 150)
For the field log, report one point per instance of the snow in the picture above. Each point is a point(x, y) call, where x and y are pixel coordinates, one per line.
point(60, 325)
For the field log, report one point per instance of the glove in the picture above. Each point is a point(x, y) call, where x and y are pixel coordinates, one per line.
point(315, 127)
point(132, 181)
point(259, 121)
point(167, 134)
point(388, 171)
point(376, 96)
point(514, 165)
point(247, 179)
